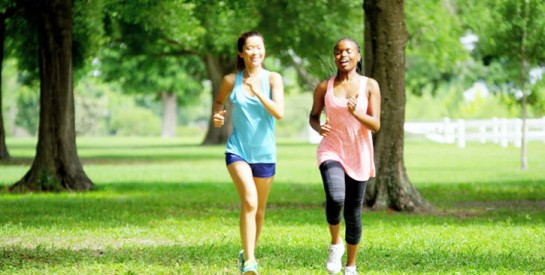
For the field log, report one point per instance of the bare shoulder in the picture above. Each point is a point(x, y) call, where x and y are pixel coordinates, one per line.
point(227, 85)
point(275, 77)
point(230, 79)
point(321, 87)
point(372, 85)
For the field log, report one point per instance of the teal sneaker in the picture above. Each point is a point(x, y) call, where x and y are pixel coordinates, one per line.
point(241, 258)
point(250, 267)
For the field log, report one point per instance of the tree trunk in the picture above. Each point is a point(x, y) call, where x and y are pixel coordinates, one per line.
point(170, 106)
point(56, 166)
point(522, 84)
point(217, 67)
point(310, 81)
point(4, 154)
point(385, 40)
point(524, 138)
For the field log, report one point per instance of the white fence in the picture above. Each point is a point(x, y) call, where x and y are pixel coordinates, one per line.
point(497, 130)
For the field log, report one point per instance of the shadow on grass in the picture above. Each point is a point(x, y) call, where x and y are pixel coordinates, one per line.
point(273, 259)
point(144, 204)
point(132, 153)
point(129, 158)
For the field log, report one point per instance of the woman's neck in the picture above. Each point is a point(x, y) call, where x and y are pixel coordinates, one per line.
point(347, 76)
point(253, 71)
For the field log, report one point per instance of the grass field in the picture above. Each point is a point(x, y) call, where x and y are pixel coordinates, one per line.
point(169, 207)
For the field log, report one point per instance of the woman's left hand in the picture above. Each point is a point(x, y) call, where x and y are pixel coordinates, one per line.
point(253, 83)
point(352, 103)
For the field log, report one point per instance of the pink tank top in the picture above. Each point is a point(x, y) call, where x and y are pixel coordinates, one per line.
point(349, 141)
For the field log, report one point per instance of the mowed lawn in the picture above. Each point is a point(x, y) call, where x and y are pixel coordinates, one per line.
point(167, 206)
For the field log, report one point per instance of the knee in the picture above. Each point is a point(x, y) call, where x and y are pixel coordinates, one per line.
point(260, 213)
point(352, 215)
point(336, 202)
point(249, 205)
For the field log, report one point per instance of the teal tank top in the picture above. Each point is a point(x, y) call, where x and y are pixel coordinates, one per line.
point(253, 136)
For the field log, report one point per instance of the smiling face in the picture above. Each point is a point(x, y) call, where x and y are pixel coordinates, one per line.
point(347, 55)
point(253, 52)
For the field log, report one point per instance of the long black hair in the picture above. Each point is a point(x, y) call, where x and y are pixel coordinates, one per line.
point(359, 67)
point(240, 45)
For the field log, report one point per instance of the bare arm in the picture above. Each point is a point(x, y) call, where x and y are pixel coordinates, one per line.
point(218, 112)
point(274, 106)
point(371, 117)
point(317, 108)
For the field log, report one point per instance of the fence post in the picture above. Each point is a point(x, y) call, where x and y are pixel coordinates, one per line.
point(543, 124)
point(461, 134)
point(482, 130)
point(517, 132)
point(448, 131)
point(503, 132)
point(495, 130)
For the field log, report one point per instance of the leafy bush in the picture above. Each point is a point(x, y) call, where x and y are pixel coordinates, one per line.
point(134, 121)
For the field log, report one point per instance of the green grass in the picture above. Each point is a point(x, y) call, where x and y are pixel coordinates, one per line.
point(169, 207)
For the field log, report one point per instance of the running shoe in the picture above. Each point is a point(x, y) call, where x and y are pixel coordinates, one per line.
point(250, 267)
point(350, 270)
point(335, 253)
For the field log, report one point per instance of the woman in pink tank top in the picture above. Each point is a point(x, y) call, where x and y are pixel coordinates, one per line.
point(345, 154)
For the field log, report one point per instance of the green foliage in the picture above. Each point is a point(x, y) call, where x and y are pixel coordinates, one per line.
point(451, 103)
point(22, 37)
point(309, 30)
point(510, 39)
point(97, 105)
point(143, 74)
point(537, 97)
point(295, 120)
point(87, 34)
point(6, 4)
point(131, 120)
point(92, 106)
point(434, 52)
point(153, 193)
point(22, 44)
point(28, 110)
point(167, 22)
point(224, 21)
point(147, 53)
point(485, 107)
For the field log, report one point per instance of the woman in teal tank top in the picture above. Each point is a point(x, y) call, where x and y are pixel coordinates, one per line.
point(257, 98)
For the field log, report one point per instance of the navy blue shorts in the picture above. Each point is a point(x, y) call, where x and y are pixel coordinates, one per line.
point(259, 170)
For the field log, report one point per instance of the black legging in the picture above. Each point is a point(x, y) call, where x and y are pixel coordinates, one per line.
point(341, 190)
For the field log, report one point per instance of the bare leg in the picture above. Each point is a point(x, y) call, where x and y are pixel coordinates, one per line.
point(335, 231)
point(241, 174)
point(352, 251)
point(263, 186)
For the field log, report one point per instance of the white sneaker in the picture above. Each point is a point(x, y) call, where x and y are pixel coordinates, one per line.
point(335, 253)
point(350, 270)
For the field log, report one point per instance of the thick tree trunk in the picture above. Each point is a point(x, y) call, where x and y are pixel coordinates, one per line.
point(170, 107)
point(4, 154)
point(56, 166)
point(385, 40)
point(218, 67)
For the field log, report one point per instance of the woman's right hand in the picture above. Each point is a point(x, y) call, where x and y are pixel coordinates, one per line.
point(219, 118)
point(325, 128)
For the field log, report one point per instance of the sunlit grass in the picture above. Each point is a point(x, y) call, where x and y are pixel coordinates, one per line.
point(167, 206)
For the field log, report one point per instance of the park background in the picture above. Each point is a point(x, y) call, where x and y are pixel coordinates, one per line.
point(163, 203)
